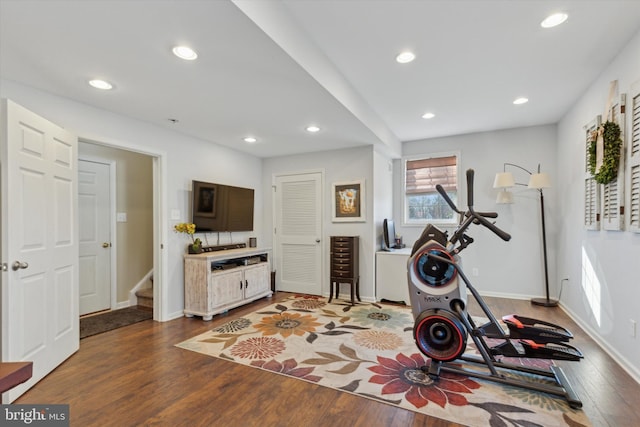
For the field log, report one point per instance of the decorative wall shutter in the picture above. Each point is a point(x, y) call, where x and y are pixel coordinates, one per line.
point(634, 163)
point(591, 187)
point(613, 192)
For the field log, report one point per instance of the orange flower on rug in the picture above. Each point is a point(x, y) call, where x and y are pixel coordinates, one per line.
point(368, 350)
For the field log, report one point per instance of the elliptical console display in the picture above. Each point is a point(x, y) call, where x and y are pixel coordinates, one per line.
point(438, 293)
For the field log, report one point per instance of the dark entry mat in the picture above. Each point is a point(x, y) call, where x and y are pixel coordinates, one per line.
point(115, 319)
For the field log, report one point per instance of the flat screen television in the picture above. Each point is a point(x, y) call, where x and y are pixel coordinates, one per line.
point(218, 207)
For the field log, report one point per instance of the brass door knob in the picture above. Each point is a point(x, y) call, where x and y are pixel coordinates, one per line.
point(106, 245)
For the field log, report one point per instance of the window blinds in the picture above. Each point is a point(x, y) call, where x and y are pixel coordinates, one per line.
point(422, 175)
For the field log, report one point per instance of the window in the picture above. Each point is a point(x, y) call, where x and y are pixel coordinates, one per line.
point(422, 202)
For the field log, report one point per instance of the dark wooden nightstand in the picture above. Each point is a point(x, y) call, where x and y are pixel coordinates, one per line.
point(345, 257)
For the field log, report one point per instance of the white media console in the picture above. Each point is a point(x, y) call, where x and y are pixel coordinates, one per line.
point(215, 282)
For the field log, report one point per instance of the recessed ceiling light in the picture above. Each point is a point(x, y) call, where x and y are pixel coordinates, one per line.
point(428, 116)
point(521, 100)
point(185, 52)
point(553, 20)
point(250, 139)
point(313, 129)
point(101, 84)
point(405, 57)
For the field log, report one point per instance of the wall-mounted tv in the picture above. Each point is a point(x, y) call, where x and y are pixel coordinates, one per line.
point(218, 207)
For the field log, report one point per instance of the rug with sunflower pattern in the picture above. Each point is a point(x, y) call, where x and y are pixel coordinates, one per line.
point(368, 350)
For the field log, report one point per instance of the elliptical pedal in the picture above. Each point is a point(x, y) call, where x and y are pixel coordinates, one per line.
point(536, 330)
point(555, 351)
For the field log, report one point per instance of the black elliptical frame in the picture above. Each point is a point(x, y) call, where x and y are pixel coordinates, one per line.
point(487, 366)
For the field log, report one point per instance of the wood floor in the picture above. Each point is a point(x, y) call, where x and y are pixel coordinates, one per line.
point(135, 376)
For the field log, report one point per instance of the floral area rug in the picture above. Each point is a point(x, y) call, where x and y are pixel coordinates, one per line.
point(368, 350)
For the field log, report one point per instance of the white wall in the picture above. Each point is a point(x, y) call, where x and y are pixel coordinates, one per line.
point(508, 269)
point(382, 194)
point(185, 158)
point(605, 310)
point(337, 165)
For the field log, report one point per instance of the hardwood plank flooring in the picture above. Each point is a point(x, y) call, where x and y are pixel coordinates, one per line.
point(135, 376)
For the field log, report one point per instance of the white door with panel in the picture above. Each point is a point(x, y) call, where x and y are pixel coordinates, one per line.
point(40, 320)
point(95, 236)
point(298, 233)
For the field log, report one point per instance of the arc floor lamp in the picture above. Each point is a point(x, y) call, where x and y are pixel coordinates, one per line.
point(538, 181)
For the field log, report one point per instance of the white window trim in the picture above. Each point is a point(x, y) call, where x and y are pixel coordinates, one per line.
point(421, 223)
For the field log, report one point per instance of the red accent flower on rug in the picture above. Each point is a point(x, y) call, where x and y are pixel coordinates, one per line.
point(258, 348)
point(403, 375)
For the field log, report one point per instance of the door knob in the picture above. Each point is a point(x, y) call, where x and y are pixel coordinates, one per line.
point(106, 245)
point(18, 265)
point(317, 240)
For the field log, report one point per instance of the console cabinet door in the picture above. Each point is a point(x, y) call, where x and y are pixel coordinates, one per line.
point(257, 279)
point(225, 288)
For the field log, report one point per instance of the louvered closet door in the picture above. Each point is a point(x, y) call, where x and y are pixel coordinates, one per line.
point(298, 233)
point(634, 163)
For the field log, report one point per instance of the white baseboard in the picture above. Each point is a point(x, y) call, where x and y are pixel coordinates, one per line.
point(617, 357)
point(174, 315)
point(123, 304)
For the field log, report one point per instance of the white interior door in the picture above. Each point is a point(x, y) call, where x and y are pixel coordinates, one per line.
point(39, 243)
point(298, 233)
point(94, 210)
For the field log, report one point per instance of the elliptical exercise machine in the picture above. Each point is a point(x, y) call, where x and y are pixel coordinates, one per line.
point(438, 293)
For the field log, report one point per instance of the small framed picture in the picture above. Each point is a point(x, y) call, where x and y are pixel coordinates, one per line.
point(348, 202)
point(205, 201)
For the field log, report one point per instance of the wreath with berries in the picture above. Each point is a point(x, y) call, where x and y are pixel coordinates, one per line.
point(611, 158)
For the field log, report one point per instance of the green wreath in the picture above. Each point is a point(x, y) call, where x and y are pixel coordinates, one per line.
point(612, 142)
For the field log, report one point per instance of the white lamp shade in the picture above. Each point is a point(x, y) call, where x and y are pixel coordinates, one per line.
point(504, 197)
point(539, 180)
point(504, 180)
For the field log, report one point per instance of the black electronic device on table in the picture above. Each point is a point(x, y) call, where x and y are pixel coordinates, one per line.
point(389, 236)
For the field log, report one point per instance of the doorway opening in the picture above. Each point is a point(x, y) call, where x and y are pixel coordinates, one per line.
point(131, 234)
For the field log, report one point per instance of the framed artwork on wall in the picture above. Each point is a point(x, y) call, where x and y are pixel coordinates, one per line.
point(348, 201)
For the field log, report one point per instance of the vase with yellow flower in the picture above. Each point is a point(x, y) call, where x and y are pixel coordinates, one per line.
point(185, 227)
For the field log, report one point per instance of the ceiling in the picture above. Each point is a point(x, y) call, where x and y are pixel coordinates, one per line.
point(270, 68)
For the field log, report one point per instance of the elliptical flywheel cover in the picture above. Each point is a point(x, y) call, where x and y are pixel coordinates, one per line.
point(433, 272)
point(440, 335)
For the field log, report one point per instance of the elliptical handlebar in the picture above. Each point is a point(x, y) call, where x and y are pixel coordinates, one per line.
point(447, 199)
point(470, 174)
point(491, 226)
point(471, 215)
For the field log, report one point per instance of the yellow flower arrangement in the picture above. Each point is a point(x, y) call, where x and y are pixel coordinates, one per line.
point(185, 227)
point(190, 229)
